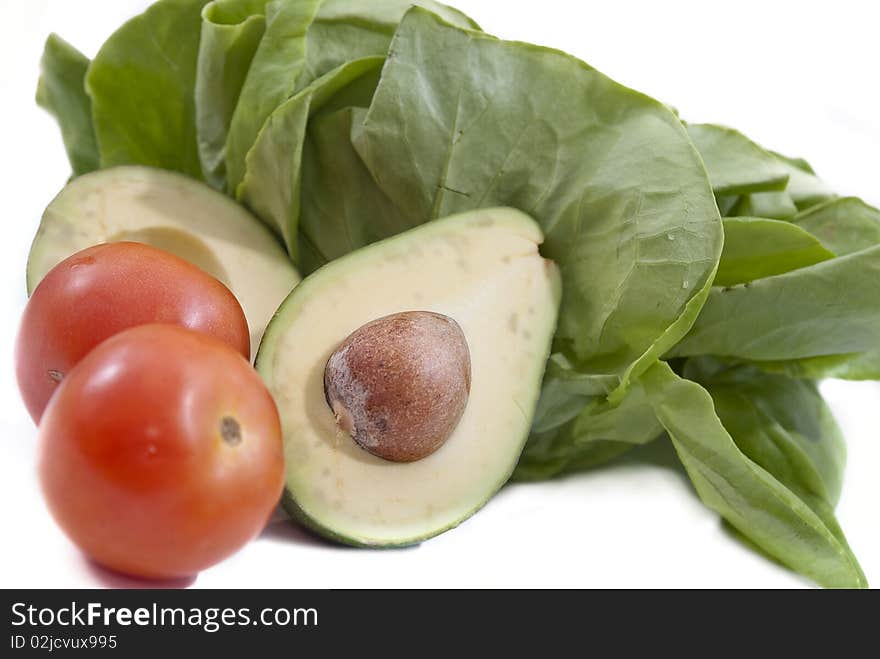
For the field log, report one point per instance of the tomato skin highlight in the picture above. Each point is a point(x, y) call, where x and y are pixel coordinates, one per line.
point(160, 454)
point(105, 289)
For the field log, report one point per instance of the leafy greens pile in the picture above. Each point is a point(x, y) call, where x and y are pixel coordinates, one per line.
point(340, 123)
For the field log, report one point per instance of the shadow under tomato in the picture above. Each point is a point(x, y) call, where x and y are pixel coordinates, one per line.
point(117, 580)
point(286, 530)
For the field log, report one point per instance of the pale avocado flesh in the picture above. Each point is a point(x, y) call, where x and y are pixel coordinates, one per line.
point(174, 213)
point(483, 270)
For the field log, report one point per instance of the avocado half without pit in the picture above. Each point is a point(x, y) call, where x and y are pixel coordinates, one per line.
point(175, 213)
point(406, 376)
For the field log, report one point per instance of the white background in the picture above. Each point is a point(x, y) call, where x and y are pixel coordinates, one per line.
point(799, 77)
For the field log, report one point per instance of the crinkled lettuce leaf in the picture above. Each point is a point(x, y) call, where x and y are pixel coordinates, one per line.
point(303, 42)
point(273, 172)
point(271, 80)
point(231, 33)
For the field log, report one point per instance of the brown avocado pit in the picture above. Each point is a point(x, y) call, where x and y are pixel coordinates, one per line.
point(399, 384)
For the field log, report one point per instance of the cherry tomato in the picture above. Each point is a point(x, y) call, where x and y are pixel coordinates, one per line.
point(105, 289)
point(160, 454)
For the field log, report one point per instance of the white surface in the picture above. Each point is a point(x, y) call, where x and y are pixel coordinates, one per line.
point(799, 77)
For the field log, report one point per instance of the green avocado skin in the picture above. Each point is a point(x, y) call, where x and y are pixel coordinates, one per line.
point(297, 513)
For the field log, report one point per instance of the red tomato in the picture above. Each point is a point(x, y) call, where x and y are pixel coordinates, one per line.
point(105, 289)
point(160, 453)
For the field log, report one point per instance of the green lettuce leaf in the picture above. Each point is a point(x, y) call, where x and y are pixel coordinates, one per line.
point(271, 79)
point(331, 224)
point(272, 182)
point(142, 83)
point(346, 30)
point(756, 497)
point(61, 92)
point(231, 33)
point(303, 42)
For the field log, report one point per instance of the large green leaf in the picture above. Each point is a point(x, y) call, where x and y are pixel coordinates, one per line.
point(231, 33)
point(749, 496)
point(756, 247)
point(737, 165)
point(831, 308)
point(61, 92)
point(462, 120)
point(142, 84)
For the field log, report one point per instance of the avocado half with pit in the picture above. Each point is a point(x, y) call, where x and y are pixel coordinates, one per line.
point(175, 213)
point(406, 375)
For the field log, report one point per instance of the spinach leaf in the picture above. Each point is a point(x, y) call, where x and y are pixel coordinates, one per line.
point(231, 32)
point(830, 308)
point(843, 225)
point(804, 187)
point(272, 182)
point(461, 120)
point(753, 499)
point(600, 431)
point(846, 226)
point(566, 391)
point(61, 92)
point(142, 83)
point(727, 204)
point(781, 423)
point(736, 165)
point(854, 366)
point(271, 79)
point(773, 205)
point(756, 248)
